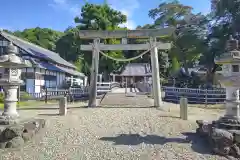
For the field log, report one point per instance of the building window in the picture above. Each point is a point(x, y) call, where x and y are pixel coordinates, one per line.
point(3, 43)
point(3, 50)
point(235, 68)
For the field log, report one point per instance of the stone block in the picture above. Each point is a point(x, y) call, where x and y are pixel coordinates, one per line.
point(12, 131)
point(14, 136)
point(34, 125)
point(27, 136)
point(236, 135)
point(16, 142)
point(3, 144)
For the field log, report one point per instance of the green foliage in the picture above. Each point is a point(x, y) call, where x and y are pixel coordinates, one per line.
point(1, 97)
point(187, 40)
point(43, 37)
point(93, 17)
point(24, 96)
point(197, 38)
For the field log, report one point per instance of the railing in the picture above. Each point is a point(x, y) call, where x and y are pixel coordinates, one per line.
point(194, 96)
point(72, 93)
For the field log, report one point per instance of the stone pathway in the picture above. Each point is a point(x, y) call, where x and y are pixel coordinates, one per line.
point(122, 90)
point(127, 100)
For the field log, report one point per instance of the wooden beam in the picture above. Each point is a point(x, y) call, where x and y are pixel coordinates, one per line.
point(143, 33)
point(111, 47)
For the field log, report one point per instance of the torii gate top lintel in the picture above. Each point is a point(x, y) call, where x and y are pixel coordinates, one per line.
point(143, 33)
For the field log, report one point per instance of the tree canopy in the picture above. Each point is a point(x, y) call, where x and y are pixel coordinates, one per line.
point(198, 37)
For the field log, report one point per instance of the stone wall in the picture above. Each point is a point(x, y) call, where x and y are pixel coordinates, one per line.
point(14, 136)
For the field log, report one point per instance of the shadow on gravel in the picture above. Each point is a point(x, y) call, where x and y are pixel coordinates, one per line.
point(197, 143)
point(53, 114)
point(136, 139)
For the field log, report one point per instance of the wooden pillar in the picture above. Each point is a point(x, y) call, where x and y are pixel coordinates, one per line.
point(94, 74)
point(155, 73)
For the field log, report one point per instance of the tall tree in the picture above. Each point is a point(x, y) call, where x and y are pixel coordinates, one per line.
point(224, 21)
point(93, 17)
point(186, 41)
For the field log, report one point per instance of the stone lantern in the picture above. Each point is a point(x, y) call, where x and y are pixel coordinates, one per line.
point(224, 133)
point(10, 82)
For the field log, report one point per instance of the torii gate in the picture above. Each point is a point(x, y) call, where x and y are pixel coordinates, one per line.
point(152, 45)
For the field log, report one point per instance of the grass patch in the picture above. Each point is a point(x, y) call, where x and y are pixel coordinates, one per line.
point(25, 104)
point(209, 106)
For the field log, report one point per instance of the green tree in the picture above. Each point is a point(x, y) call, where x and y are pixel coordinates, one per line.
point(43, 37)
point(101, 17)
point(187, 40)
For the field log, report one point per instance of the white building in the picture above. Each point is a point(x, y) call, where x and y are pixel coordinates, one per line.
point(48, 69)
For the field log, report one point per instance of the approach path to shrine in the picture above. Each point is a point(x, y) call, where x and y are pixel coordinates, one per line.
point(115, 134)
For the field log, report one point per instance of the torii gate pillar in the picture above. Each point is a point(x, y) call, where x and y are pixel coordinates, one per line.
point(94, 74)
point(155, 73)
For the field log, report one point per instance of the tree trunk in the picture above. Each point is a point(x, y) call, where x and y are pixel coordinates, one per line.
point(211, 73)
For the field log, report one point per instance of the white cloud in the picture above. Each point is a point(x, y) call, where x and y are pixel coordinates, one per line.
point(65, 5)
point(127, 7)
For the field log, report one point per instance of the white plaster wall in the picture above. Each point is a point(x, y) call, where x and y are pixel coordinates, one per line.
point(30, 70)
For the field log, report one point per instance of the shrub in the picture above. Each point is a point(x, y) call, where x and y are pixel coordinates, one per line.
point(24, 96)
point(1, 97)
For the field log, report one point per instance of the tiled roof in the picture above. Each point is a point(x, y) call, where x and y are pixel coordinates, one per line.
point(36, 50)
point(137, 69)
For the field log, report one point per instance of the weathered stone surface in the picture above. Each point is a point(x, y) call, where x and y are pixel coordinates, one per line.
point(222, 141)
point(4, 120)
point(14, 136)
point(235, 151)
point(204, 127)
point(13, 131)
point(27, 136)
point(3, 144)
point(16, 142)
point(34, 125)
point(236, 135)
point(223, 136)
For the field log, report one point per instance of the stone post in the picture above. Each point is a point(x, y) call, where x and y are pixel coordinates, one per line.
point(63, 106)
point(183, 108)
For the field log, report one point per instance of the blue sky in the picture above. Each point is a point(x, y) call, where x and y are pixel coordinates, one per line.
point(59, 14)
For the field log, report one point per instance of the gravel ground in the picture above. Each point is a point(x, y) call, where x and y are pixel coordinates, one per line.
point(116, 134)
